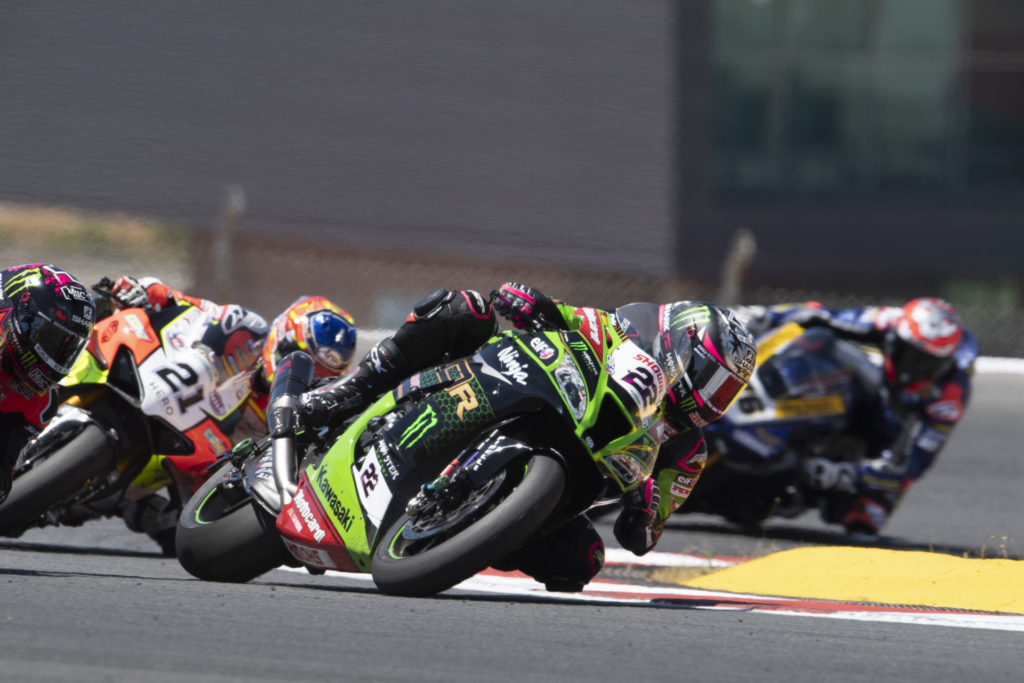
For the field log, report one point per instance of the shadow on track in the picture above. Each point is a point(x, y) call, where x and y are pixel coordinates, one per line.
point(76, 550)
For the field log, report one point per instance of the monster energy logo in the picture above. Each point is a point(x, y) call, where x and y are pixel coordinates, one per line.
point(19, 281)
point(688, 404)
point(420, 426)
point(581, 348)
point(692, 316)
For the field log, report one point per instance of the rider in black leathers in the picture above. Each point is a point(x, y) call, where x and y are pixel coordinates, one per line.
point(707, 356)
point(45, 319)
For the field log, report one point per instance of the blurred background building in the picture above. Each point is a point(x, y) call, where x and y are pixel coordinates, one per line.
point(749, 150)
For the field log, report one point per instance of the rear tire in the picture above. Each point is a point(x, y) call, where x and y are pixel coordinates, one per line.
point(224, 535)
point(505, 527)
point(62, 472)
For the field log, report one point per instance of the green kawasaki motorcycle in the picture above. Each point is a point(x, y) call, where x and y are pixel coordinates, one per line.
point(445, 475)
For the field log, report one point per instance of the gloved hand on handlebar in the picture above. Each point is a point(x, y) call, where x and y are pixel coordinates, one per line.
point(639, 527)
point(523, 305)
point(128, 292)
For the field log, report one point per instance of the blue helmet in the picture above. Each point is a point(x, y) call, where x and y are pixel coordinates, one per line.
point(330, 339)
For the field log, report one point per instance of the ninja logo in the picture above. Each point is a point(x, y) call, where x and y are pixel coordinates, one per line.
point(511, 366)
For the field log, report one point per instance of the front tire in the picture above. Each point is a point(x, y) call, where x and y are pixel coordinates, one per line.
point(500, 530)
point(224, 535)
point(62, 472)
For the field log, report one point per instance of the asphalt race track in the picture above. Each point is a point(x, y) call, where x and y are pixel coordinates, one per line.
point(97, 603)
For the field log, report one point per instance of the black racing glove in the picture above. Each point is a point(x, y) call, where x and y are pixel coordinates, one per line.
point(638, 527)
point(523, 305)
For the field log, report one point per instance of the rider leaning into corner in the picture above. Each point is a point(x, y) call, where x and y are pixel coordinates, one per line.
point(927, 363)
point(312, 324)
point(46, 316)
point(705, 356)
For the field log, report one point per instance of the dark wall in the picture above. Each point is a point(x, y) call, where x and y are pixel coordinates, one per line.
point(543, 132)
point(533, 129)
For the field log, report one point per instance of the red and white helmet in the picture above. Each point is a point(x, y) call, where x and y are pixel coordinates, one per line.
point(920, 346)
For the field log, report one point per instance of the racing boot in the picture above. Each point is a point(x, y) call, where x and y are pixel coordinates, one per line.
point(564, 560)
point(379, 370)
point(155, 516)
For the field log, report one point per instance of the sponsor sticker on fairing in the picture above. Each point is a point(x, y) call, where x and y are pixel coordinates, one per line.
point(371, 487)
point(136, 327)
point(591, 328)
point(333, 502)
point(309, 555)
point(307, 517)
point(511, 366)
point(543, 350)
point(641, 377)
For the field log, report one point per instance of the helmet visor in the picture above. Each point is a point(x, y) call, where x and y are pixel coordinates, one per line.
point(715, 387)
point(55, 344)
point(330, 358)
point(332, 341)
point(911, 364)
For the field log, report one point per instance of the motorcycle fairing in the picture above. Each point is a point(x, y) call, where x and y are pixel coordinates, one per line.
point(615, 415)
point(333, 482)
point(147, 356)
point(464, 397)
point(350, 492)
point(354, 486)
point(126, 329)
point(307, 531)
point(772, 342)
point(594, 329)
point(208, 441)
point(760, 429)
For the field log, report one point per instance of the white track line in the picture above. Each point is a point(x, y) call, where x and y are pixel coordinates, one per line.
point(667, 597)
